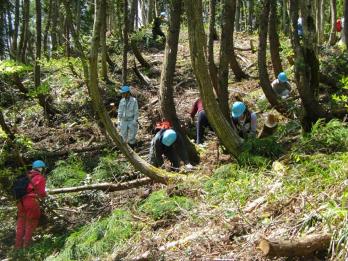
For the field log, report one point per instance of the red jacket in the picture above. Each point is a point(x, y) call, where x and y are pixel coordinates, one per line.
point(196, 108)
point(37, 186)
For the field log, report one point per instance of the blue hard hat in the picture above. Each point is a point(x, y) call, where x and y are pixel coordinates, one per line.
point(38, 164)
point(238, 108)
point(163, 14)
point(282, 77)
point(124, 89)
point(169, 137)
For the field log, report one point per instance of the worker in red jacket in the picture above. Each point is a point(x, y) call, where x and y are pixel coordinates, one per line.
point(29, 207)
point(202, 120)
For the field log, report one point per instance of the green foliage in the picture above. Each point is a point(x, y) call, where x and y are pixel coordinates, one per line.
point(159, 205)
point(98, 238)
point(10, 67)
point(325, 138)
point(67, 173)
point(109, 168)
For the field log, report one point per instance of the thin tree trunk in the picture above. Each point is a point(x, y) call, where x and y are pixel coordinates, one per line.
point(345, 25)
point(226, 48)
point(54, 31)
point(24, 31)
point(211, 35)
point(274, 40)
point(15, 32)
point(250, 15)
point(333, 9)
point(125, 42)
point(166, 87)
point(285, 17)
point(237, 17)
point(104, 67)
point(319, 20)
point(151, 11)
point(47, 28)
point(133, 15)
point(197, 41)
point(91, 78)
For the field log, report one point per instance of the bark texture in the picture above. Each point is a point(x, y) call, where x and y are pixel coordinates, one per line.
point(333, 11)
point(274, 44)
point(211, 32)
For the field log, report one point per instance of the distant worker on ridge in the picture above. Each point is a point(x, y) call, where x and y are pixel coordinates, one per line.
point(156, 26)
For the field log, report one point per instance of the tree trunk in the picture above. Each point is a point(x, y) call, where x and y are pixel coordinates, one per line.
point(15, 31)
point(91, 79)
point(47, 28)
point(133, 16)
point(54, 31)
point(24, 31)
point(151, 11)
point(226, 48)
point(332, 39)
point(138, 54)
point(197, 41)
point(237, 70)
point(107, 187)
point(237, 17)
point(125, 42)
point(262, 63)
point(285, 17)
point(320, 20)
point(307, 63)
point(250, 15)
point(274, 40)
point(295, 248)
point(211, 36)
point(345, 26)
point(104, 67)
point(166, 88)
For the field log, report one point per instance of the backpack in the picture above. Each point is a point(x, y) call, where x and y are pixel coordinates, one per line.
point(339, 25)
point(165, 124)
point(19, 189)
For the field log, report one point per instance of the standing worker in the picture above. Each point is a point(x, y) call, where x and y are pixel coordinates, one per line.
point(128, 113)
point(281, 86)
point(156, 26)
point(244, 120)
point(28, 206)
point(202, 120)
point(169, 143)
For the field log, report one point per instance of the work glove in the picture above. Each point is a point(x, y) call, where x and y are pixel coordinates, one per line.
point(188, 167)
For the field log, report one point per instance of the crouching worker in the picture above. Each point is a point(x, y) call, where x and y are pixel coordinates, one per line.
point(128, 116)
point(29, 189)
point(244, 121)
point(202, 120)
point(169, 143)
point(281, 86)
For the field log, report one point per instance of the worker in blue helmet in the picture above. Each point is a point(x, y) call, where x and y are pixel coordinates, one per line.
point(244, 121)
point(168, 143)
point(281, 86)
point(156, 26)
point(127, 116)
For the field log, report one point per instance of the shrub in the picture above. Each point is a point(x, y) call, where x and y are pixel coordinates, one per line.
point(159, 205)
point(324, 138)
point(109, 168)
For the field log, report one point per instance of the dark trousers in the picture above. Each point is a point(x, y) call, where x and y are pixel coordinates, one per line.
point(157, 32)
point(202, 123)
point(156, 155)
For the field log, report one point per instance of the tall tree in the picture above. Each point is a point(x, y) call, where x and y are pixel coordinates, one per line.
point(24, 31)
point(151, 11)
point(211, 38)
point(285, 17)
point(274, 44)
point(237, 17)
point(15, 30)
point(166, 88)
point(197, 42)
point(47, 28)
point(333, 10)
point(250, 15)
point(104, 67)
point(345, 26)
point(125, 42)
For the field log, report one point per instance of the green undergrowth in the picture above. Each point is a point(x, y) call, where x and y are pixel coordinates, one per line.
point(99, 238)
point(159, 205)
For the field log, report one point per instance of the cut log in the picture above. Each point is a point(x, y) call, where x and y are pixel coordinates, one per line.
point(109, 187)
point(296, 247)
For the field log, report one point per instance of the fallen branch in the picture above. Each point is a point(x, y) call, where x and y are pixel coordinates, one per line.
point(144, 79)
point(296, 247)
point(109, 187)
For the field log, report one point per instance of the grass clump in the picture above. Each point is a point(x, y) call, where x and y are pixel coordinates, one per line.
point(324, 138)
point(67, 173)
point(109, 168)
point(99, 238)
point(159, 205)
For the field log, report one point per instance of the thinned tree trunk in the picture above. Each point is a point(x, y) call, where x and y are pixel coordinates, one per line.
point(197, 41)
point(262, 63)
point(285, 17)
point(307, 63)
point(211, 35)
point(333, 10)
point(125, 42)
point(90, 72)
point(250, 15)
point(237, 70)
point(104, 67)
point(166, 88)
point(320, 20)
point(15, 31)
point(24, 31)
point(274, 44)
point(226, 48)
point(151, 11)
point(54, 30)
